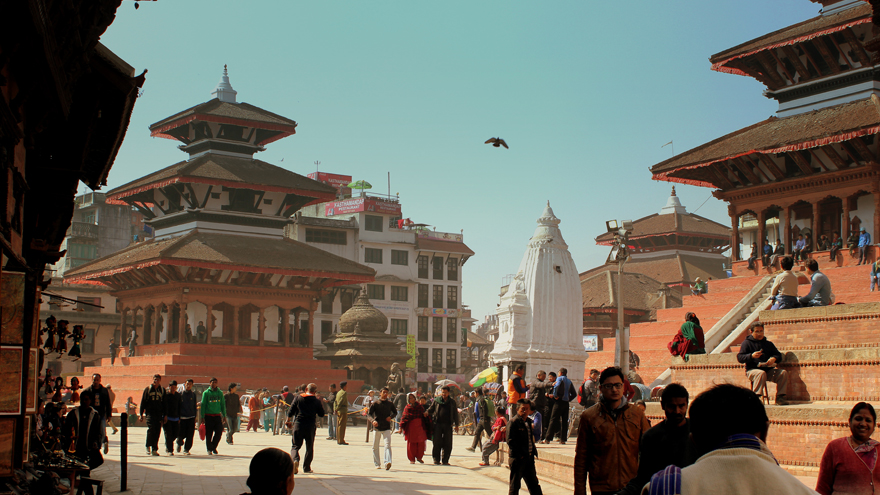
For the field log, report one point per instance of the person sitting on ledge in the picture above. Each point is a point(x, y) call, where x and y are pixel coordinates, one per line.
point(778, 252)
point(875, 275)
point(753, 257)
point(785, 286)
point(762, 361)
point(824, 243)
point(836, 244)
point(799, 245)
point(820, 288)
point(699, 287)
point(689, 339)
point(729, 426)
point(767, 250)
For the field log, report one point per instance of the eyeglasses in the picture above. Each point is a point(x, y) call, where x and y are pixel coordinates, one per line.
point(609, 386)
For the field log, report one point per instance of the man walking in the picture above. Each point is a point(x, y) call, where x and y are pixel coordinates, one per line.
point(522, 451)
point(382, 413)
point(187, 418)
point(559, 416)
point(305, 409)
point(233, 408)
point(153, 405)
point(330, 401)
point(99, 398)
point(444, 414)
point(762, 361)
point(484, 415)
point(341, 409)
point(213, 409)
point(172, 417)
point(608, 439)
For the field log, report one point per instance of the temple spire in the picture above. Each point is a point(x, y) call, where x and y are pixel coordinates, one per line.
point(224, 91)
point(673, 205)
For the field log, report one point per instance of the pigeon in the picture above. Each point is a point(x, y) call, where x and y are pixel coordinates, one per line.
point(497, 142)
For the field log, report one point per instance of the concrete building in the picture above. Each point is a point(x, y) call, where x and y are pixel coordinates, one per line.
point(418, 277)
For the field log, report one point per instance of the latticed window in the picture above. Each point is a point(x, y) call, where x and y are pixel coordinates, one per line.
point(399, 293)
point(326, 236)
point(376, 291)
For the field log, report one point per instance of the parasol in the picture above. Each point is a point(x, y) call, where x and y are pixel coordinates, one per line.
point(492, 387)
point(487, 375)
point(360, 184)
point(443, 383)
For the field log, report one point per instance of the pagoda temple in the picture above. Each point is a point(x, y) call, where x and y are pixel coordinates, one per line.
point(362, 347)
point(813, 167)
point(219, 279)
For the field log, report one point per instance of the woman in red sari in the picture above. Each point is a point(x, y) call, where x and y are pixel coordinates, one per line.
point(412, 425)
point(849, 464)
point(254, 416)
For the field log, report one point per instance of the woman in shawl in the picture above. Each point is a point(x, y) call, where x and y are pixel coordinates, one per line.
point(254, 415)
point(689, 339)
point(849, 464)
point(412, 425)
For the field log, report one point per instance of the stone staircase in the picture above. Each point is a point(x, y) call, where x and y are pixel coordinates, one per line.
point(251, 366)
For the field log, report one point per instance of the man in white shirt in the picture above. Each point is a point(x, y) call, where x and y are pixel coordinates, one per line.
point(785, 287)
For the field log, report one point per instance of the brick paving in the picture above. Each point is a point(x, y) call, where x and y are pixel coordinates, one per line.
point(339, 470)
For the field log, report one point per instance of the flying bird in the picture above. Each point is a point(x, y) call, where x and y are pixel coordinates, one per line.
point(497, 142)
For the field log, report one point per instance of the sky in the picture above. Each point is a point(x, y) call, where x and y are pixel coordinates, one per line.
point(585, 93)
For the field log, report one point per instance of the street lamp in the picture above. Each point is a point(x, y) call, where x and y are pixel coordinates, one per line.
point(619, 255)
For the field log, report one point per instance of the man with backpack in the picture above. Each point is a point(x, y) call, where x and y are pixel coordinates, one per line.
point(563, 392)
point(484, 414)
point(588, 395)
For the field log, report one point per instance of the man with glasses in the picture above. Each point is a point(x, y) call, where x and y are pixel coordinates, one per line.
point(608, 439)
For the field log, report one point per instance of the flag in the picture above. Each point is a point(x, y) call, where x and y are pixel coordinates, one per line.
point(667, 144)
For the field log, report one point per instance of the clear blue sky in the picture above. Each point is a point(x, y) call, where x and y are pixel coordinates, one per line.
point(584, 92)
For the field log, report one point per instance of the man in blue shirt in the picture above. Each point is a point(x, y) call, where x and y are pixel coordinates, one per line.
point(563, 392)
point(799, 245)
point(820, 288)
point(864, 242)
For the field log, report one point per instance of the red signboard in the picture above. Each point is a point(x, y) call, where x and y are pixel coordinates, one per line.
point(334, 180)
point(355, 205)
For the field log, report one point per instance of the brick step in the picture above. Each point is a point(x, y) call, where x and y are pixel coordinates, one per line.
point(733, 284)
point(666, 327)
point(219, 350)
point(815, 375)
point(716, 310)
point(823, 326)
point(715, 300)
point(267, 369)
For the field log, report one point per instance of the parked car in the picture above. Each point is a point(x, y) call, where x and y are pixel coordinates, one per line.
point(355, 410)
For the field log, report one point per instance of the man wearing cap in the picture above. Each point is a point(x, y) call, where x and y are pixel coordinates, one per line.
point(864, 243)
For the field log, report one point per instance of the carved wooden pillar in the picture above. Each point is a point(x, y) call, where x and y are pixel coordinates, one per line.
point(235, 325)
point(844, 228)
point(786, 229)
point(762, 227)
point(157, 325)
point(814, 239)
point(876, 234)
point(296, 339)
point(285, 327)
point(209, 322)
point(134, 321)
point(311, 329)
point(734, 233)
point(181, 322)
point(261, 327)
point(123, 327)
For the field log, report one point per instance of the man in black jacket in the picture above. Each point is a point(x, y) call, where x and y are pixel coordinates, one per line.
point(483, 419)
point(522, 451)
point(538, 390)
point(304, 410)
point(188, 414)
point(172, 417)
point(382, 413)
point(233, 408)
point(667, 443)
point(444, 414)
point(99, 398)
point(762, 361)
point(81, 428)
point(153, 405)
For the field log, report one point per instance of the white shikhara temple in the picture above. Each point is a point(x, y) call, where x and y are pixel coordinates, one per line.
point(540, 316)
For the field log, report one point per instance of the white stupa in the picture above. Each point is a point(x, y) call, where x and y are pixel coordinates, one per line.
point(540, 318)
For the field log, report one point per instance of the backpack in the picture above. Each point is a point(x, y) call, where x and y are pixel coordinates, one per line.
point(490, 409)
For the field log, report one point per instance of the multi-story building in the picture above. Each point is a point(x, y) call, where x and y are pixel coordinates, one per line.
point(99, 228)
point(418, 277)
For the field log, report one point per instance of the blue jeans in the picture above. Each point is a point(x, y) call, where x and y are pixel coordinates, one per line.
point(786, 302)
point(231, 427)
point(383, 436)
point(331, 426)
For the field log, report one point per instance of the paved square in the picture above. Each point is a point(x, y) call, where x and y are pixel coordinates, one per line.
point(339, 470)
